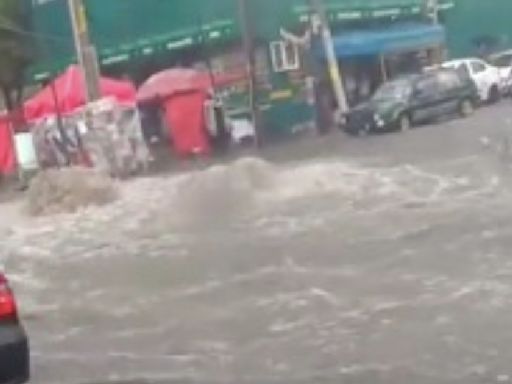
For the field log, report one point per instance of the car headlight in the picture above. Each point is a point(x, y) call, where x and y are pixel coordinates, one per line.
point(378, 120)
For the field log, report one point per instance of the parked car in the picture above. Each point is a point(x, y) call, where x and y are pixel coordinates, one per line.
point(486, 77)
point(503, 61)
point(413, 99)
point(14, 348)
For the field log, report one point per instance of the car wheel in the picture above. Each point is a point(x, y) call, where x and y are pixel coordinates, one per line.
point(404, 122)
point(364, 131)
point(466, 108)
point(494, 95)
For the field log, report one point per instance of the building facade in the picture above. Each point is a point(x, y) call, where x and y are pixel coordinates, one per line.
point(125, 30)
point(138, 37)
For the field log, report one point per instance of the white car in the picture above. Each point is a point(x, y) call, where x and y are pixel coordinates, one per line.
point(486, 77)
point(503, 61)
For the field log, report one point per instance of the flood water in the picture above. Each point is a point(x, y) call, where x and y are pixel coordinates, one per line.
point(323, 270)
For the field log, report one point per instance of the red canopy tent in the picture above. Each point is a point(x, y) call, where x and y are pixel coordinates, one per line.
point(183, 93)
point(67, 93)
point(7, 155)
point(172, 81)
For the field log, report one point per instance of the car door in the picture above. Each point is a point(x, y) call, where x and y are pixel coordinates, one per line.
point(425, 102)
point(483, 77)
point(450, 88)
point(504, 65)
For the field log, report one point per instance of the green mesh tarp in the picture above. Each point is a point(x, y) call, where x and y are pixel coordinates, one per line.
point(474, 22)
point(122, 29)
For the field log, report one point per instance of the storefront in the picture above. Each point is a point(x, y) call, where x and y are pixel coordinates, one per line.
point(376, 40)
point(190, 32)
point(371, 56)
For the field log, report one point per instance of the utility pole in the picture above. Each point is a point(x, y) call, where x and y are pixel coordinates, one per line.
point(250, 59)
point(85, 51)
point(320, 14)
point(431, 12)
point(432, 7)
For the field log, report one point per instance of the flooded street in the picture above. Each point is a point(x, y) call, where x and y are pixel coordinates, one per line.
point(377, 260)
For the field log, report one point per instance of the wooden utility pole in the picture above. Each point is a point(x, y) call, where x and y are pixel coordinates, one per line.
point(431, 12)
point(320, 13)
point(250, 60)
point(85, 50)
point(432, 9)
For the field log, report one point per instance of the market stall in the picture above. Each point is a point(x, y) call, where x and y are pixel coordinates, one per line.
point(183, 94)
point(67, 93)
point(68, 131)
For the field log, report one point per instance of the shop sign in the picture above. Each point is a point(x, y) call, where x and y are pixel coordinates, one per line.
point(148, 51)
point(386, 12)
point(352, 15)
point(282, 94)
point(182, 43)
point(115, 59)
point(359, 13)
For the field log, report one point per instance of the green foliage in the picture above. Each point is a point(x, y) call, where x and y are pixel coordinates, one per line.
point(16, 48)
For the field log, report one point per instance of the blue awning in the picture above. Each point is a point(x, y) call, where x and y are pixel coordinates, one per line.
point(395, 38)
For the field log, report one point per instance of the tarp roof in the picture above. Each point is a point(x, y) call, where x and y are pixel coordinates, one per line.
point(67, 93)
point(397, 38)
point(127, 29)
point(172, 81)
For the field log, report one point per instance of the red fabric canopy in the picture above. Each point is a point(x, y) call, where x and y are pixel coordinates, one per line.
point(7, 152)
point(68, 94)
point(185, 121)
point(165, 84)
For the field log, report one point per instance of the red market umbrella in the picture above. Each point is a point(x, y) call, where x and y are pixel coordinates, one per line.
point(67, 93)
point(169, 82)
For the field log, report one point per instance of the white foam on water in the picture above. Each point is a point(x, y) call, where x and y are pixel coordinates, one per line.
point(325, 296)
point(361, 368)
point(233, 281)
point(216, 198)
point(359, 189)
point(282, 326)
point(497, 294)
point(231, 188)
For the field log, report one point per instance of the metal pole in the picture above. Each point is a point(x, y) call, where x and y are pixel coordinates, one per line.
point(205, 49)
point(383, 68)
point(60, 123)
point(332, 61)
point(435, 10)
point(248, 44)
point(432, 10)
point(85, 51)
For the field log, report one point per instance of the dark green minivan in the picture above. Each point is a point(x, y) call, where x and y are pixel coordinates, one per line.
point(413, 99)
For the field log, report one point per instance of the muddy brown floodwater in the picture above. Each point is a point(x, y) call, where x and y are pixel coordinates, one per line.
point(370, 266)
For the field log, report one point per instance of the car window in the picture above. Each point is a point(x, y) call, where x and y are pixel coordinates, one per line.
point(462, 70)
point(426, 86)
point(503, 61)
point(448, 80)
point(398, 89)
point(477, 67)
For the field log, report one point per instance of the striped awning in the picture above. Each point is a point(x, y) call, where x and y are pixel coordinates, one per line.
point(397, 38)
point(216, 32)
point(370, 9)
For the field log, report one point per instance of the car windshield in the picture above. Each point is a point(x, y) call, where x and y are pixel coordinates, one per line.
point(503, 61)
point(397, 90)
